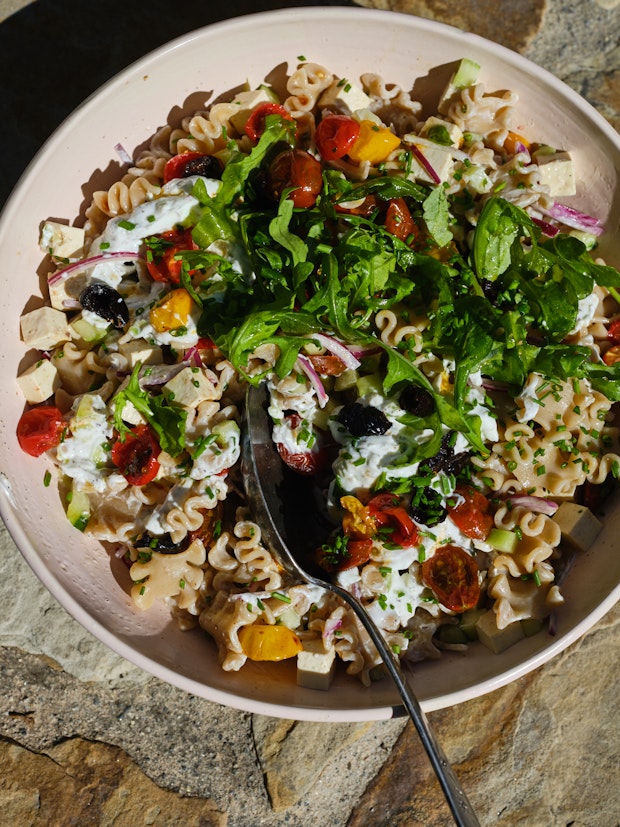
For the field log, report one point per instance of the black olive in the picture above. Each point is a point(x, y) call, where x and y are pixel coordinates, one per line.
point(363, 420)
point(206, 165)
point(161, 543)
point(490, 290)
point(427, 507)
point(106, 302)
point(416, 401)
point(445, 459)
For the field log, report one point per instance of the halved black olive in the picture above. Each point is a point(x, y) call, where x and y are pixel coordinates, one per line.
point(416, 400)
point(363, 420)
point(162, 543)
point(206, 165)
point(106, 302)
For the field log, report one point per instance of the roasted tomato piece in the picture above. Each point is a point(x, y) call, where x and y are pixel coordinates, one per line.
point(612, 356)
point(40, 429)
point(470, 512)
point(344, 554)
point(296, 168)
point(366, 207)
point(136, 455)
point(452, 575)
point(192, 163)
point(398, 219)
point(393, 519)
point(210, 526)
point(161, 260)
point(335, 135)
point(304, 462)
point(327, 364)
point(255, 124)
point(262, 642)
point(613, 331)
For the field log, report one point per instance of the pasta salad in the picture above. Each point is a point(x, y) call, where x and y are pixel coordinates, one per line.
point(439, 342)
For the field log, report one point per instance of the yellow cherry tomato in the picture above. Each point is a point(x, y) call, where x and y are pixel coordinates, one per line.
point(358, 522)
point(260, 642)
point(172, 311)
point(514, 142)
point(373, 144)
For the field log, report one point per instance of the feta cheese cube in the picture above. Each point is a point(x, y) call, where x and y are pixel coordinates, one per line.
point(189, 388)
point(497, 640)
point(343, 96)
point(315, 665)
point(578, 525)
point(136, 350)
point(247, 101)
point(44, 328)
point(39, 381)
point(62, 241)
point(557, 172)
point(439, 159)
point(130, 414)
point(67, 288)
point(433, 124)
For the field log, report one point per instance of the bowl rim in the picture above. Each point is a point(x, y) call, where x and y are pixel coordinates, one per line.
point(226, 28)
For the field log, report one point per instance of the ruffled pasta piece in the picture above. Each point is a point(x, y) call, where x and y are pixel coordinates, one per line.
point(488, 115)
point(78, 369)
point(394, 330)
point(305, 86)
point(124, 196)
point(163, 576)
point(517, 599)
point(222, 619)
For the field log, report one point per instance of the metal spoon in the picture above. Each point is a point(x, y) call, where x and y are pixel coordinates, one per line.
point(263, 474)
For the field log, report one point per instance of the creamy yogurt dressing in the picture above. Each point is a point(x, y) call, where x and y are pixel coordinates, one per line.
point(82, 456)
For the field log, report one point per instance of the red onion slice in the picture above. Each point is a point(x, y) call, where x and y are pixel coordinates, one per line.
point(424, 162)
point(123, 154)
point(538, 504)
point(575, 219)
point(338, 349)
point(87, 263)
point(548, 229)
point(305, 365)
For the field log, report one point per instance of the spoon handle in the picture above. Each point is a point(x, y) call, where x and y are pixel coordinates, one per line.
point(463, 812)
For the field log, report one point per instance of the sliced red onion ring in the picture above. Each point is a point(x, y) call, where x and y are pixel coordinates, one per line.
point(548, 229)
point(575, 219)
point(193, 355)
point(338, 349)
point(424, 162)
point(87, 263)
point(304, 364)
point(331, 625)
point(360, 351)
point(123, 154)
point(539, 504)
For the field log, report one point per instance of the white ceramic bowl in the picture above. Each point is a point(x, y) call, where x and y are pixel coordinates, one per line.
point(80, 157)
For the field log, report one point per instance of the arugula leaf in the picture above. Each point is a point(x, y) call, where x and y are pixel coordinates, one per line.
point(166, 420)
point(437, 216)
point(279, 229)
point(500, 225)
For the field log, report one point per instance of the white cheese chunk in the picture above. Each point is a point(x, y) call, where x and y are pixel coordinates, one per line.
point(454, 132)
point(315, 665)
point(248, 101)
point(344, 96)
point(578, 525)
point(44, 328)
point(130, 414)
point(438, 158)
point(557, 172)
point(497, 640)
point(189, 387)
point(39, 381)
point(62, 241)
point(136, 350)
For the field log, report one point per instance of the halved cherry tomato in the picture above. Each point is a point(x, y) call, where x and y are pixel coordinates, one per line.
point(612, 356)
point(398, 220)
point(346, 556)
point(255, 124)
point(166, 267)
point(303, 462)
point(389, 513)
point(40, 429)
point(262, 642)
point(335, 135)
point(613, 331)
point(192, 163)
point(327, 364)
point(296, 168)
point(136, 455)
point(452, 575)
point(470, 513)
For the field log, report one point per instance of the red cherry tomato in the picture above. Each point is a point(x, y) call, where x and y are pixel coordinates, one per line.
point(389, 513)
point(136, 456)
point(369, 205)
point(166, 267)
point(452, 575)
point(303, 462)
point(255, 124)
point(40, 429)
point(296, 168)
point(192, 163)
point(356, 553)
point(613, 331)
point(335, 136)
point(398, 220)
point(470, 513)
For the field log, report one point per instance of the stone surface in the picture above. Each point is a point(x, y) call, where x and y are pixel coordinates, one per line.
point(88, 739)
